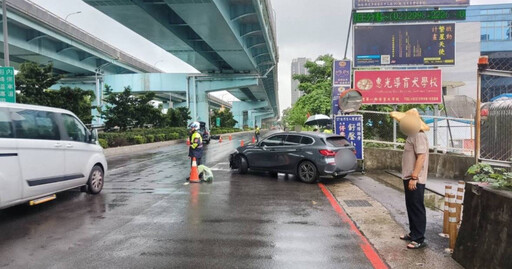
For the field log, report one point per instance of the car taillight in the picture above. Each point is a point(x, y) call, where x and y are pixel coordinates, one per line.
point(327, 153)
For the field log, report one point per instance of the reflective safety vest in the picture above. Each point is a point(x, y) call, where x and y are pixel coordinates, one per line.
point(327, 131)
point(257, 132)
point(196, 145)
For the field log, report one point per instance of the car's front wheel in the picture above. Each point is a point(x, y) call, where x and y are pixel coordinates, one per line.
point(243, 166)
point(307, 172)
point(96, 180)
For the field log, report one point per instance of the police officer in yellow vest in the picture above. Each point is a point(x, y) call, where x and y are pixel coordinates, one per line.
point(196, 143)
point(257, 133)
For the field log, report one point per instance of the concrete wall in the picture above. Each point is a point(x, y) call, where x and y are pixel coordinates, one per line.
point(449, 166)
point(485, 235)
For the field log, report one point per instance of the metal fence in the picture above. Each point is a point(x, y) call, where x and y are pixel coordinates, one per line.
point(496, 122)
point(447, 134)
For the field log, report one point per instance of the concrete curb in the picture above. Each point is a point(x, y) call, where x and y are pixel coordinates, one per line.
point(134, 149)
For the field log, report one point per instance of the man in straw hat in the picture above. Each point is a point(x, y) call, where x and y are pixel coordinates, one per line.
point(414, 174)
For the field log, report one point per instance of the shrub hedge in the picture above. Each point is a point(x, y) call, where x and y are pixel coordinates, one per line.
point(142, 136)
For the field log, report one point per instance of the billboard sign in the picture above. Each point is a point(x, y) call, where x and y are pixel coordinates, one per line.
point(351, 127)
point(409, 16)
point(387, 4)
point(7, 85)
point(341, 73)
point(336, 92)
point(404, 44)
point(400, 86)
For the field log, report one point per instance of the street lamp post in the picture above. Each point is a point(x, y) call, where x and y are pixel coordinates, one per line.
point(70, 14)
point(6, 35)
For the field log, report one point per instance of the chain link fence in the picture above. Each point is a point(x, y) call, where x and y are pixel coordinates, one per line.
point(447, 134)
point(496, 123)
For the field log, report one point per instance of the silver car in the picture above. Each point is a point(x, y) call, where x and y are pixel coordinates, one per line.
point(308, 155)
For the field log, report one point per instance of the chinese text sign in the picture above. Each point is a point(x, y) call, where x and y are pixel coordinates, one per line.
point(372, 4)
point(7, 86)
point(341, 73)
point(351, 127)
point(404, 44)
point(400, 86)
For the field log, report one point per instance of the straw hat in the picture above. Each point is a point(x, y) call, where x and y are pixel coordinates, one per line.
point(410, 120)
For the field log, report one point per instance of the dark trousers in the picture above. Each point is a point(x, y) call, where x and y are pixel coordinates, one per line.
point(416, 211)
point(257, 138)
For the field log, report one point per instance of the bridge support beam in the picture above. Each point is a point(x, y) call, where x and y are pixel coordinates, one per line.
point(241, 108)
point(200, 86)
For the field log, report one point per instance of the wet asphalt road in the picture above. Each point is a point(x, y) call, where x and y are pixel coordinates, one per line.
point(146, 217)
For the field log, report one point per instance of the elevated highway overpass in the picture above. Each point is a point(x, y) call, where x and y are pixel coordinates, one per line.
point(231, 42)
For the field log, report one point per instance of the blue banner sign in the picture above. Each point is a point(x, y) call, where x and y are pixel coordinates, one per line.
point(404, 44)
point(351, 127)
point(341, 73)
point(336, 91)
point(376, 4)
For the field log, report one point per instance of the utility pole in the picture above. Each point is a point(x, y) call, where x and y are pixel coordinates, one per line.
point(6, 34)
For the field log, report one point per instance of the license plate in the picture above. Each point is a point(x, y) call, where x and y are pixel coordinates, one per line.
point(330, 160)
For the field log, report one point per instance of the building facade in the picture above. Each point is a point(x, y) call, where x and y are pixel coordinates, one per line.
point(297, 69)
point(496, 42)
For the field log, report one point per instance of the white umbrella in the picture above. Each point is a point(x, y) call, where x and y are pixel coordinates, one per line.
point(319, 119)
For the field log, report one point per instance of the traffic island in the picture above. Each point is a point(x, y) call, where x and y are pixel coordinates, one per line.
point(485, 235)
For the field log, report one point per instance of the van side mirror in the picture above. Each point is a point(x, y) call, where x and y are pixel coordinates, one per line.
point(93, 137)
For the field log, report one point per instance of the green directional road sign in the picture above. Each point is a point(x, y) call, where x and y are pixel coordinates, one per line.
point(7, 86)
point(217, 122)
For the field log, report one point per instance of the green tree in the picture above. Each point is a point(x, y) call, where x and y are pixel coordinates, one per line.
point(73, 99)
point(226, 118)
point(125, 110)
point(317, 88)
point(33, 82)
point(178, 117)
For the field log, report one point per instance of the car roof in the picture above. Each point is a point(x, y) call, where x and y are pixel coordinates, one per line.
point(35, 107)
point(315, 134)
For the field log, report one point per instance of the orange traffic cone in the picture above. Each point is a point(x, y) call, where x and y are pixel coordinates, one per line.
point(188, 141)
point(194, 173)
point(230, 138)
point(253, 139)
point(220, 139)
point(242, 143)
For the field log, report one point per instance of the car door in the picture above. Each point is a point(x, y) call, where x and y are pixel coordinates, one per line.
point(289, 155)
point(40, 151)
point(264, 156)
point(10, 174)
point(77, 150)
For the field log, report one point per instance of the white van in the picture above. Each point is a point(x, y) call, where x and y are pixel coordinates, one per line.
point(43, 151)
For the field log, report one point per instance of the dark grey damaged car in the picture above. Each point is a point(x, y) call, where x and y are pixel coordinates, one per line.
point(308, 155)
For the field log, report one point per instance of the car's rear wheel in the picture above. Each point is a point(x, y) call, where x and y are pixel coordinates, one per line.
point(96, 180)
point(307, 172)
point(243, 166)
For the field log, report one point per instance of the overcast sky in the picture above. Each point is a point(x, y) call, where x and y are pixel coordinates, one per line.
point(305, 28)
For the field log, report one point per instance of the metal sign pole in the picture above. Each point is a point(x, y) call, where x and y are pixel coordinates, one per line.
point(6, 34)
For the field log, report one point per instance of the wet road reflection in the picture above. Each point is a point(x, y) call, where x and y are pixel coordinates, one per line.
point(146, 217)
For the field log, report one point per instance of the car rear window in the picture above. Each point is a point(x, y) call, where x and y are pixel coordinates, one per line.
point(337, 141)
